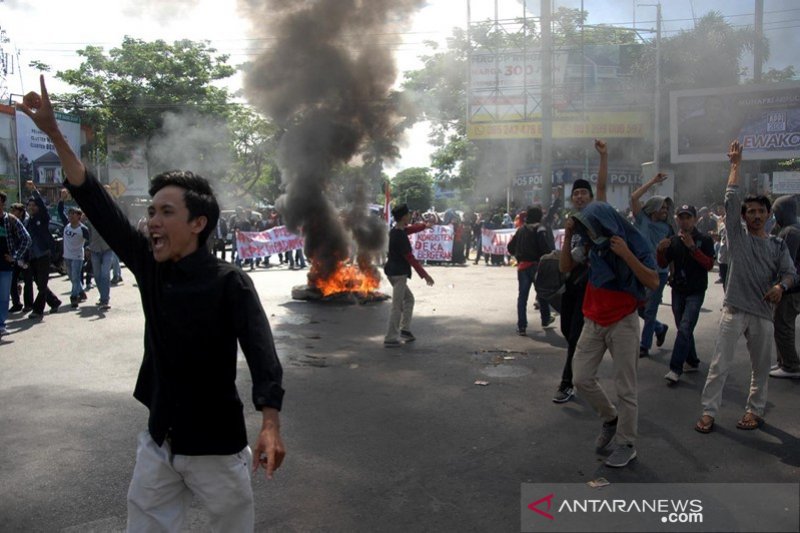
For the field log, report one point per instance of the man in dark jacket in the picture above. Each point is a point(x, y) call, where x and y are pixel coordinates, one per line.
point(528, 245)
point(691, 255)
point(198, 310)
point(398, 269)
point(785, 210)
point(38, 226)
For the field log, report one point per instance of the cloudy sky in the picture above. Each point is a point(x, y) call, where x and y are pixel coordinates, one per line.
point(51, 30)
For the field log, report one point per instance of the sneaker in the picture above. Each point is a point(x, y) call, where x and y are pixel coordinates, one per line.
point(27, 309)
point(35, 316)
point(643, 352)
point(521, 332)
point(117, 281)
point(782, 373)
point(394, 343)
point(548, 322)
point(775, 366)
point(606, 435)
point(622, 455)
point(687, 368)
point(407, 336)
point(661, 336)
point(672, 376)
point(3, 331)
point(103, 306)
point(54, 308)
point(73, 302)
point(82, 297)
point(563, 395)
point(16, 308)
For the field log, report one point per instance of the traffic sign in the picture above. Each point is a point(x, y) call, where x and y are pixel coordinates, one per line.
point(117, 188)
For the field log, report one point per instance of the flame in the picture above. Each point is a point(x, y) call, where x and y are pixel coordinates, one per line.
point(347, 278)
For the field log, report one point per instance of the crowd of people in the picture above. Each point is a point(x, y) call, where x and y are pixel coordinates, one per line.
point(198, 309)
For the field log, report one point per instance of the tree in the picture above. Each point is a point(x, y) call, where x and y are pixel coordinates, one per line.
point(128, 90)
point(254, 143)
point(414, 187)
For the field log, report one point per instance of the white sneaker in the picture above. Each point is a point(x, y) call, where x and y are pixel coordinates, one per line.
point(672, 377)
point(781, 373)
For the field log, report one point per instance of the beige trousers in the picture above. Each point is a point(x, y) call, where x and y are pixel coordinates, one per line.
point(402, 307)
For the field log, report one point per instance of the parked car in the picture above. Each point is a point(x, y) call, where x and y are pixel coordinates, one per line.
point(57, 247)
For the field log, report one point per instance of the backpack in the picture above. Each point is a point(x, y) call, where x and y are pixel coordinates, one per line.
point(549, 281)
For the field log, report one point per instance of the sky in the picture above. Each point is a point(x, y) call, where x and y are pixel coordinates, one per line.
point(51, 30)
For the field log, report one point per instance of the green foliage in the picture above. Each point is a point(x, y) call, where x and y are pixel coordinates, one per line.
point(128, 90)
point(413, 186)
point(254, 142)
point(777, 75)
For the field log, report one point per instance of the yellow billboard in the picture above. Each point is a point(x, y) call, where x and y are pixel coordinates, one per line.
point(596, 124)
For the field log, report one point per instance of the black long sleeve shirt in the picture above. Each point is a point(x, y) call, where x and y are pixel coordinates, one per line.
point(196, 309)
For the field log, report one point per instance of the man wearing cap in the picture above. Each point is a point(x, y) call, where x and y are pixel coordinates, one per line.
point(398, 270)
point(574, 262)
point(691, 254)
point(651, 220)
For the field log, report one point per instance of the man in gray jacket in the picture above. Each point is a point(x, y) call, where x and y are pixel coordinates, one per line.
point(760, 272)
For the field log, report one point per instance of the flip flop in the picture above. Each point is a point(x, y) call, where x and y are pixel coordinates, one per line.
point(750, 421)
point(705, 424)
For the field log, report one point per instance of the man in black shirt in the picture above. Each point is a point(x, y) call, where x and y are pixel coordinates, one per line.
point(196, 308)
point(691, 254)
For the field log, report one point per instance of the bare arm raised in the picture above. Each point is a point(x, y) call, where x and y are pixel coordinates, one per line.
point(45, 119)
point(735, 157)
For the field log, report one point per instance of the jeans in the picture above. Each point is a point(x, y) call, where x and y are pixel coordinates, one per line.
point(74, 272)
point(5, 294)
point(101, 264)
point(761, 346)
point(525, 278)
point(117, 275)
point(686, 309)
point(651, 323)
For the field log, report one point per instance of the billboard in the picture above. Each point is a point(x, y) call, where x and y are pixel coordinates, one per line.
point(37, 155)
point(127, 164)
point(590, 95)
point(764, 118)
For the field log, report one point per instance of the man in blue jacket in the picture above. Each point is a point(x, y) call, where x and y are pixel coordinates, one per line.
point(38, 226)
point(621, 265)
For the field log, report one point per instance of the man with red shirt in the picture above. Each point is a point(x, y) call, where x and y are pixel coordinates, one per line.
point(398, 270)
point(621, 265)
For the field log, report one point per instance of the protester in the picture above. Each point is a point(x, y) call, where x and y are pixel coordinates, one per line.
point(196, 309)
point(574, 262)
point(398, 271)
point(651, 221)
point(690, 257)
point(785, 210)
point(621, 265)
point(528, 245)
point(760, 272)
point(14, 243)
point(21, 271)
point(38, 226)
point(76, 240)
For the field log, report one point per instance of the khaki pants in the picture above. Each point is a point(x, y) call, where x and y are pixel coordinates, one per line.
point(761, 345)
point(621, 339)
point(402, 307)
point(163, 483)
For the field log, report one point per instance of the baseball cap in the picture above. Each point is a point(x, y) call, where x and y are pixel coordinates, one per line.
point(686, 209)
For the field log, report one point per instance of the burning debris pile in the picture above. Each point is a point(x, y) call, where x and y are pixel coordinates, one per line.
point(327, 82)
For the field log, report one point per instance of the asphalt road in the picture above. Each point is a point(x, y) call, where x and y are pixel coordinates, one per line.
point(378, 439)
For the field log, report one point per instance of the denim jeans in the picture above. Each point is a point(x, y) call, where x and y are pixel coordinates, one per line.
point(117, 274)
point(686, 309)
point(101, 265)
point(5, 294)
point(651, 323)
point(525, 278)
point(74, 272)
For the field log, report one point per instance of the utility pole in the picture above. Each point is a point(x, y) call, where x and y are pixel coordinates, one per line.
point(547, 103)
point(758, 48)
point(657, 93)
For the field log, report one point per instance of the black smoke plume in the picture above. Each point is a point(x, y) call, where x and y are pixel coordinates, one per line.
point(326, 79)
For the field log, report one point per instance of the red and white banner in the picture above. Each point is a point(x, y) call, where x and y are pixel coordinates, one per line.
point(277, 240)
point(434, 244)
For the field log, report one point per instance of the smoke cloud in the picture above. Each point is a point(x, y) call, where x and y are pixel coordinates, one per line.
point(327, 80)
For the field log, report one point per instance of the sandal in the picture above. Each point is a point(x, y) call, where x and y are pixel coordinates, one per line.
point(750, 421)
point(705, 424)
